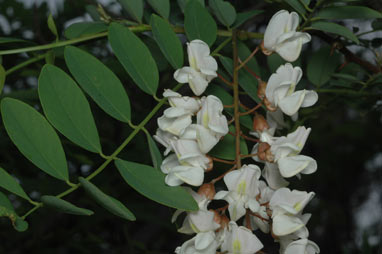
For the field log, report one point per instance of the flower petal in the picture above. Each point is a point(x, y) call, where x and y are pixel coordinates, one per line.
point(284, 224)
point(290, 166)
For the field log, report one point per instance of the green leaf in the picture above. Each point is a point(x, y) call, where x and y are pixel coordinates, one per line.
point(162, 7)
point(336, 29)
point(224, 11)
point(7, 210)
point(295, 4)
point(34, 137)
point(244, 16)
point(92, 11)
point(109, 203)
point(156, 155)
point(6, 40)
point(99, 82)
point(182, 4)
point(52, 26)
point(227, 99)
point(2, 78)
point(10, 184)
point(322, 65)
point(246, 80)
point(150, 183)
point(64, 206)
point(348, 12)
point(157, 54)
point(225, 149)
point(274, 61)
point(50, 57)
point(67, 109)
point(167, 40)
point(134, 8)
point(135, 57)
point(198, 23)
point(77, 30)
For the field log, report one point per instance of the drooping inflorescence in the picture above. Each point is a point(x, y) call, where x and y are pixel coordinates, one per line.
point(256, 198)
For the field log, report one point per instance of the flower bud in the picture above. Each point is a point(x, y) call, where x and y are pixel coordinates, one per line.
point(217, 216)
point(207, 190)
point(259, 123)
point(261, 89)
point(261, 151)
point(224, 222)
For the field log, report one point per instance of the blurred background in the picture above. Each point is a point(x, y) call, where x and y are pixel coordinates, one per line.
point(346, 141)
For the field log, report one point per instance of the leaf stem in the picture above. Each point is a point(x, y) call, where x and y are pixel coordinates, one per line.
point(111, 157)
point(25, 63)
point(248, 58)
point(139, 28)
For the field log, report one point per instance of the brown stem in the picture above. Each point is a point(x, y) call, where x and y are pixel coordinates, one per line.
point(243, 106)
point(236, 100)
point(228, 106)
point(252, 72)
point(248, 155)
point(224, 80)
point(231, 121)
point(349, 56)
point(251, 110)
point(248, 58)
point(223, 161)
point(222, 175)
point(249, 138)
point(248, 220)
point(258, 216)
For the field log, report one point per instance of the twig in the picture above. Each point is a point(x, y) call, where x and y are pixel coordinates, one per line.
point(251, 110)
point(248, 58)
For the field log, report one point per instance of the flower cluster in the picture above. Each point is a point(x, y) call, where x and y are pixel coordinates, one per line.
point(191, 140)
point(256, 198)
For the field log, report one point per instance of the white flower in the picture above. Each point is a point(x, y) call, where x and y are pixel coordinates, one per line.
point(281, 36)
point(164, 138)
point(178, 117)
point(276, 119)
point(181, 173)
point(286, 150)
point(176, 100)
point(287, 209)
point(242, 187)
point(240, 240)
point(292, 202)
point(202, 68)
point(202, 243)
point(271, 174)
point(302, 246)
point(280, 90)
point(265, 195)
point(188, 153)
point(210, 115)
point(174, 124)
point(205, 138)
point(198, 221)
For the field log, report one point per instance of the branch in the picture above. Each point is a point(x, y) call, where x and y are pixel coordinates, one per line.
point(139, 28)
point(350, 56)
